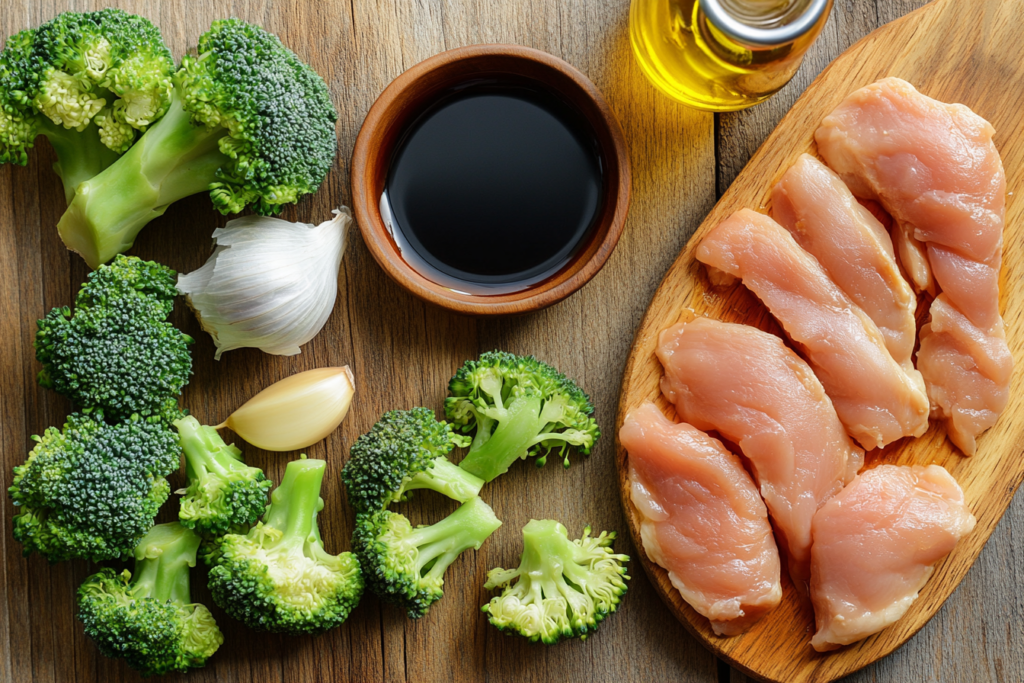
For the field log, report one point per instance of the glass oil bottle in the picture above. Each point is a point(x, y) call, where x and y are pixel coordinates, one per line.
point(723, 55)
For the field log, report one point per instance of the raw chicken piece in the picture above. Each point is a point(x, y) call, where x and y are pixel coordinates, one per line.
point(824, 217)
point(934, 168)
point(703, 520)
point(975, 368)
point(758, 394)
point(874, 547)
point(876, 400)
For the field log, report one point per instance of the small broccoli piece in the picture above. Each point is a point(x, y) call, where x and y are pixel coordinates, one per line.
point(117, 352)
point(278, 577)
point(517, 406)
point(405, 450)
point(89, 82)
point(562, 589)
point(147, 618)
point(248, 122)
point(223, 492)
point(406, 565)
point(91, 490)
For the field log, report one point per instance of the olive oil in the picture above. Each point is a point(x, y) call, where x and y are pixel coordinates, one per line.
point(493, 187)
point(723, 55)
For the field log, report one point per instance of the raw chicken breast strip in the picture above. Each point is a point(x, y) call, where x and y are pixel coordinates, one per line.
point(824, 217)
point(874, 547)
point(703, 520)
point(876, 400)
point(934, 168)
point(758, 394)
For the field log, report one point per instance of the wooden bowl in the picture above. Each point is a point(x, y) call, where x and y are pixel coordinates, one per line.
point(408, 95)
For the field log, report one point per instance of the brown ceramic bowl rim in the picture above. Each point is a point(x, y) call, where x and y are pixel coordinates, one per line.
point(405, 97)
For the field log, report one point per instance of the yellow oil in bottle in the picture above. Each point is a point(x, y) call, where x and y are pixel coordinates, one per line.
point(727, 54)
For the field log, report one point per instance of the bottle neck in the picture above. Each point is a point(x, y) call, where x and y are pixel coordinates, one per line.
point(764, 23)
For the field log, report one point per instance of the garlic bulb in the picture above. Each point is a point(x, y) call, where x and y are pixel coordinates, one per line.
point(270, 284)
point(296, 412)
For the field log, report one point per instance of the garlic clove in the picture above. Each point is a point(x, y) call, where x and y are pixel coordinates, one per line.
point(296, 412)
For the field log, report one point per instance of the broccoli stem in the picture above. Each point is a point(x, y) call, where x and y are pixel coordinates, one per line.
point(172, 160)
point(508, 443)
point(439, 544)
point(80, 156)
point(444, 477)
point(204, 450)
point(295, 503)
point(163, 559)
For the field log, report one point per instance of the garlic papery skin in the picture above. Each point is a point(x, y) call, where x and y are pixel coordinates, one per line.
point(270, 284)
point(296, 412)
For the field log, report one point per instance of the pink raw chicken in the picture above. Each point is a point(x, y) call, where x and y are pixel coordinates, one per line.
point(934, 168)
point(703, 520)
point(757, 393)
point(874, 547)
point(877, 401)
point(824, 217)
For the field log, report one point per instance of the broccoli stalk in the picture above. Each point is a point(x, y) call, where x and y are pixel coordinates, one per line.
point(80, 155)
point(248, 122)
point(517, 406)
point(406, 565)
point(223, 492)
point(279, 577)
point(405, 450)
point(147, 617)
point(561, 589)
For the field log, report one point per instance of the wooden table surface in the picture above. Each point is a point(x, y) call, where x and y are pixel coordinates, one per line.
point(403, 351)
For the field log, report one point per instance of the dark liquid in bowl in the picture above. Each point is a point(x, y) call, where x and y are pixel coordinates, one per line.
point(493, 187)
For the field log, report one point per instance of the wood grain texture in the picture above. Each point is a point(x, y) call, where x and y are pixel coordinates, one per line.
point(403, 352)
point(951, 55)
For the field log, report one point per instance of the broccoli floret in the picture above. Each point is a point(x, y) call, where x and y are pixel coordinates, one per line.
point(147, 618)
point(86, 81)
point(517, 406)
point(405, 565)
point(223, 492)
point(278, 577)
point(91, 490)
point(248, 122)
point(405, 450)
point(562, 589)
point(117, 352)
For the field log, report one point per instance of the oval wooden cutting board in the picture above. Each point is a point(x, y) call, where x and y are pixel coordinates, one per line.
point(954, 51)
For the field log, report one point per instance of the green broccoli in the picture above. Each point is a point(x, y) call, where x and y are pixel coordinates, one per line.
point(405, 450)
point(517, 406)
point(406, 565)
point(117, 352)
point(248, 122)
point(562, 589)
point(223, 492)
point(88, 82)
point(91, 490)
point(278, 577)
point(148, 618)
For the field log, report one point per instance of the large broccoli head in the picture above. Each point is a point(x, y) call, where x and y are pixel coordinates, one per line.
point(561, 589)
point(406, 565)
point(405, 450)
point(249, 123)
point(147, 618)
point(92, 489)
point(89, 82)
point(279, 577)
point(116, 351)
point(517, 406)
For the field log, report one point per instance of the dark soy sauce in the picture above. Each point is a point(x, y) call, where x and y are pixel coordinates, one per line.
point(493, 187)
